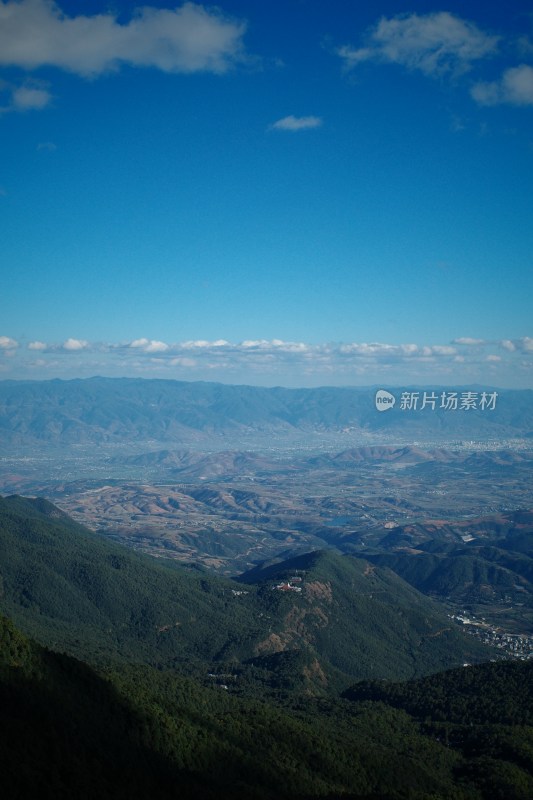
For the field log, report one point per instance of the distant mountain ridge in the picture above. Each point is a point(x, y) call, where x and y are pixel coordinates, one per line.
point(132, 411)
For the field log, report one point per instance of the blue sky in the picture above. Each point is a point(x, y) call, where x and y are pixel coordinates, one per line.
point(295, 193)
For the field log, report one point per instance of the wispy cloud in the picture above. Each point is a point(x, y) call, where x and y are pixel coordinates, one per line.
point(29, 98)
point(48, 146)
point(515, 87)
point(70, 345)
point(292, 123)
point(30, 95)
point(435, 44)
point(190, 38)
point(465, 359)
point(468, 340)
point(279, 348)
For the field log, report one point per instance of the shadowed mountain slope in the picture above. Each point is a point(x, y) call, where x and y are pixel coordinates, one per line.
point(139, 733)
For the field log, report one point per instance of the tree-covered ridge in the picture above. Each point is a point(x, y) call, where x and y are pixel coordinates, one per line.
point(73, 590)
point(485, 713)
point(138, 732)
point(499, 692)
point(398, 629)
point(62, 581)
point(198, 687)
point(470, 573)
point(65, 731)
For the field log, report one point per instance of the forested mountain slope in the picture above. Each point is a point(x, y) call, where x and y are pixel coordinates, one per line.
point(346, 620)
point(139, 733)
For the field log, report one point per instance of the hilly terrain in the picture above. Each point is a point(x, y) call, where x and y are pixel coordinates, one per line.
point(230, 510)
point(489, 577)
point(468, 574)
point(345, 620)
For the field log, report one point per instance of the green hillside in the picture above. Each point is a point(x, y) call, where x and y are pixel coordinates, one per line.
point(367, 620)
point(140, 733)
point(240, 698)
point(136, 732)
point(484, 713)
point(472, 574)
point(73, 590)
point(65, 731)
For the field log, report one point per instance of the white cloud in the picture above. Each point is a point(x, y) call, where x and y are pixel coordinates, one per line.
point(190, 38)
point(508, 345)
point(74, 345)
point(149, 346)
point(156, 347)
point(276, 360)
point(203, 343)
point(8, 344)
point(183, 362)
point(254, 343)
point(28, 98)
point(292, 123)
point(468, 340)
point(380, 349)
point(515, 87)
point(443, 350)
point(435, 44)
point(525, 344)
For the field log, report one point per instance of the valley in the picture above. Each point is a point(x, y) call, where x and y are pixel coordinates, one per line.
point(230, 510)
point(430, 514)
point(227, 478)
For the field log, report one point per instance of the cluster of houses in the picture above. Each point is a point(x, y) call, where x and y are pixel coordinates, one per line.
point(513, 644)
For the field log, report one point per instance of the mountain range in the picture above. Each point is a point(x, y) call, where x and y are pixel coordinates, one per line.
point(124, 411)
